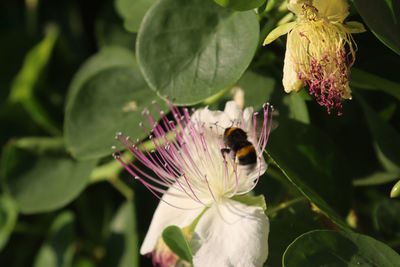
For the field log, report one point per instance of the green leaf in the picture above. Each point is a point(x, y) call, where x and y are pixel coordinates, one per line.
point(122, 245)
point(278, 31)
point(108, 57)
point(376, 178)
point(240, 5)
point(59, 248)
point(299, 218)
point(23, 85)
point(257, 89)
point(333, 248)
point(355, 27)
point(42, 180)
point(365, 80)
point(109, 30)
point(176, 241)
point(387, 218)
point(133, 11)
point(387, 140)
point(8, 218)
point(381, 19)
point(297, 107)
point(109, 102)
point(191, 50)
point(249, 200)
point(107, 95)
point(390, 5)
point(317, 171)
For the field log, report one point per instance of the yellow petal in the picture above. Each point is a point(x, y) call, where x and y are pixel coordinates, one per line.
point(278, 31)
point(290, 80)
point(296, 6)
point(336, 10)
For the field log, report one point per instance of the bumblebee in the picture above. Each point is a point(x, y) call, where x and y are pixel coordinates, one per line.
point(237, 146)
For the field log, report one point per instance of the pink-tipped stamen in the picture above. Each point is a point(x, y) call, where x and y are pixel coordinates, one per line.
point(188, 156)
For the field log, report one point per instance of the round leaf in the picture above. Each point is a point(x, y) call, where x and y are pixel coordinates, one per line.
point(240, 4)
point(333, 248)
point(109, 102)
point(108, 57)
point(191, 50)
point(43, 182)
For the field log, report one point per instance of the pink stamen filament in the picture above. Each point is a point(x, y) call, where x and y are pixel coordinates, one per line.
point(185, 161)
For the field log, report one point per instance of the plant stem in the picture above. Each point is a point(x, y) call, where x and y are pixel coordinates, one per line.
point(125, 190)
point(284, 205)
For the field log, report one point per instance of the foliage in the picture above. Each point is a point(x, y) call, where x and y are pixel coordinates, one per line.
point(73, 73)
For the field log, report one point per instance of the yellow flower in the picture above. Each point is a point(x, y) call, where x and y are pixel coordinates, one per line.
point(319, 50)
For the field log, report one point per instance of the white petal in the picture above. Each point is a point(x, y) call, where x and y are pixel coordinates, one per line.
point(166, 215)
point(248, 120)
point(258, 170)
point(233, 111)
point(231, 234)
point(290, 80)
point(211, 117)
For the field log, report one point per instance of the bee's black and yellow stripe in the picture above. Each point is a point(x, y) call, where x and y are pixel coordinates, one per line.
point(236, 139)
point(247, 154)
point(234, 136)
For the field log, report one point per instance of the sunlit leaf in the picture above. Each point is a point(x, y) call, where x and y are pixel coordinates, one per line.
point(191, 50)
point(107, 96)
point(240, 4)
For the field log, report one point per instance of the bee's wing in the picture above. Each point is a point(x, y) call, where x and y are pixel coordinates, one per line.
point(259, 124)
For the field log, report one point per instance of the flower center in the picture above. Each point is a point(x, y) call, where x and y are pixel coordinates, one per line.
point(323, 53)
point(189, 157)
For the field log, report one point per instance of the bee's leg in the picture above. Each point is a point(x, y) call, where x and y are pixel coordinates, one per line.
point(224, 151)
point(232, 153)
